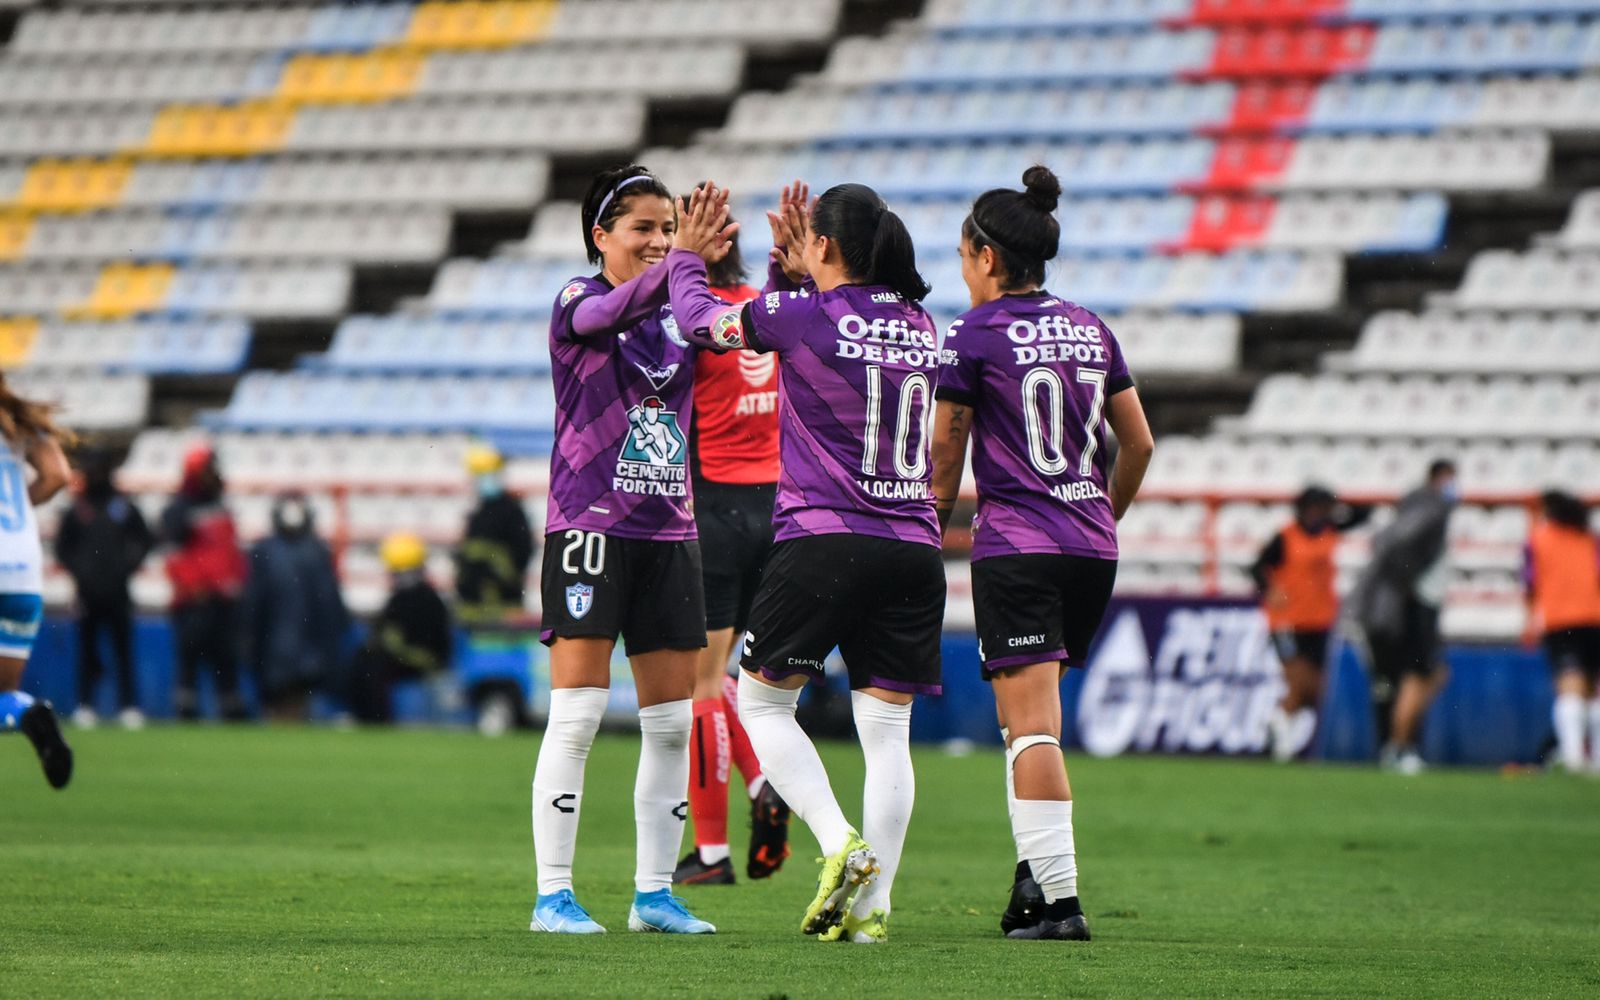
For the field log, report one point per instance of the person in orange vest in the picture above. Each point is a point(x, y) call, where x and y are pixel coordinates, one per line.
point(1295, 575)
point(1561, 572)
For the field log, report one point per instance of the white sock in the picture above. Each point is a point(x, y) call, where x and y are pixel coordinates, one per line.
point(1594, 731)
point(1011, 780)
point(790, 761)
point(710, 854)
point(659, 805)
point(1043, 832)
point(756, 784)
point(890, 791)
point(558, 781)
point(1569, 718)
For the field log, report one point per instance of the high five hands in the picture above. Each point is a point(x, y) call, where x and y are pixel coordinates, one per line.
point(704, 226)
point(791, 225)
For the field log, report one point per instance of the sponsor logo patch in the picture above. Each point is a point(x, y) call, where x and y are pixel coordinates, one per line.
point(726, 332)
point(571, 292)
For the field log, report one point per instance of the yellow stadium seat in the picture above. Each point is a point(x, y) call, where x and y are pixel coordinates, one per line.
point(125, 290)
point(478, 23)
point(338, 79)
point(72, 185)
point(219, 129)
point(17, 334)
point(15, 228)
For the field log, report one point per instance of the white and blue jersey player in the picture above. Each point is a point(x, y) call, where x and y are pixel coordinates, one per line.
point(32, 470)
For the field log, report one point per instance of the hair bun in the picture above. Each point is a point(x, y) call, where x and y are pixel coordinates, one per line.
point(1043, 188)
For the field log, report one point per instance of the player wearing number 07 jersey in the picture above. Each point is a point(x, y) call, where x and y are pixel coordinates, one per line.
point(1034, 379)
point(856, 564)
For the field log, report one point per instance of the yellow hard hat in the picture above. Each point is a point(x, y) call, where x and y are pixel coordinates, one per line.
point(403, 551)
point(482, 460)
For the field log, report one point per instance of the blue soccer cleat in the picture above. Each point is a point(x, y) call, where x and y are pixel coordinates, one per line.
point(559, 913)
point(662, 912)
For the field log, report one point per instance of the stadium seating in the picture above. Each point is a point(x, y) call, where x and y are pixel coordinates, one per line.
point(172, 174)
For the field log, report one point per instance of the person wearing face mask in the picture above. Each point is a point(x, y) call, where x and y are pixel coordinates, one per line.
point(101, 543)
point(1395, 607)
point(1295, 575)
point(497, 546)
point(293, 614)
point(207, 572)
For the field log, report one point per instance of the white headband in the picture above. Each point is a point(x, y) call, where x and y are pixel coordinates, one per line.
point(615, 191)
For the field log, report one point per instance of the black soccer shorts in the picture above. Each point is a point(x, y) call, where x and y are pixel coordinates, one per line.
point(1305, 644)
point(879, 600)
point(599, 586)
point(1038, 608)
point(1574, 649)
point(735, 525)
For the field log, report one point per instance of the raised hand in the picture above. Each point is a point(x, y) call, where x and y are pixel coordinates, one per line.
point(704, 226)
point(790, 229)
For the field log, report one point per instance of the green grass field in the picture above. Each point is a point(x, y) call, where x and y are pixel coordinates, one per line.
point(252, 861)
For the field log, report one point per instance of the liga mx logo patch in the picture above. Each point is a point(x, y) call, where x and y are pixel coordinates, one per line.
point(571, 292)
point(727, 332)
point(580, 598)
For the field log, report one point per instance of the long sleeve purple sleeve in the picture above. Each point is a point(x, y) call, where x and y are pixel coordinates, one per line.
point(693, 305)
point(623, 307)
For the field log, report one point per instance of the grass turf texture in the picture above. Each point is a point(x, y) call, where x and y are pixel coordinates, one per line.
point(249, 861)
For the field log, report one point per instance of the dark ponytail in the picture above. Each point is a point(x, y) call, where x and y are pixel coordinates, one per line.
point(1020, 226)
point(607, 200)
point(1565, 509)
point(873, 242)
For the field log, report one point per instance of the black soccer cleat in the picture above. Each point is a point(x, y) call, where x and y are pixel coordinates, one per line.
point(39, 725)
point(1027, 902)
point(1074, 928)
point(692, 871)
point(769, 832)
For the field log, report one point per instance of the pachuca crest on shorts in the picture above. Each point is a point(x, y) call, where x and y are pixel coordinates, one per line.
point(623, 404)
point(1037, 371)
point(858, 366)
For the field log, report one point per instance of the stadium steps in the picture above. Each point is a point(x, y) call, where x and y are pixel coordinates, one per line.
point(1296, 342)
point(177, 401)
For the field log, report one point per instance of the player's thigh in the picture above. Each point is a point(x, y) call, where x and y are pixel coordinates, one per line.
point(666, 605)
point(1018, 612)
point(801, 611)
point(664, 675)
point(895, 642)
point(1029, 698)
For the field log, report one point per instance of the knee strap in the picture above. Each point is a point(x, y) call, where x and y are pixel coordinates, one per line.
point(1022, 743)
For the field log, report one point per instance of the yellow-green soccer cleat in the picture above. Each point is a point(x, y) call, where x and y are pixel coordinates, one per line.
point(843, 875)
point(870, 929)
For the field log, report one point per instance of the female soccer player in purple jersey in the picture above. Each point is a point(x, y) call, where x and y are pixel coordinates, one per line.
point(856, 562)
point(1034, 379)
point(620, 552)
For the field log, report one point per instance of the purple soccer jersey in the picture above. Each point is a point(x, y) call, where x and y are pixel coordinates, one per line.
point(857, 369)
point(1037, 371)
point(624, 382)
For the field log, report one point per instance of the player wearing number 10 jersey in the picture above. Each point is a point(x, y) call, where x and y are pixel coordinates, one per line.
point(856, 563)
point(1034, 378)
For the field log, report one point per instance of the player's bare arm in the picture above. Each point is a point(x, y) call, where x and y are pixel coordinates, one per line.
point(1135, 447)
point(952, 426)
